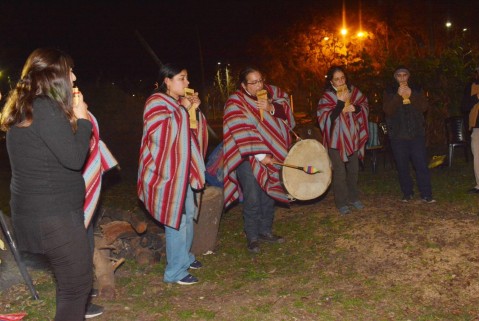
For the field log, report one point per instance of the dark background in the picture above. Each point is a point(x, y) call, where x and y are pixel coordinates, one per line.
point(100, 35)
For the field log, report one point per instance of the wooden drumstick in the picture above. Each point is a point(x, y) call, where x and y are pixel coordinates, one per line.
point(262, 95)
point(192, 110)
point(306, 169)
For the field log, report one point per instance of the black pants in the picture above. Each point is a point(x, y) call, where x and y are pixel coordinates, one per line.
point(67, 248)
point(345, 178)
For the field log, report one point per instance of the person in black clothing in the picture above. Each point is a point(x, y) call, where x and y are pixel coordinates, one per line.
point(404, 106)
point(48, 135)
point(470, 107)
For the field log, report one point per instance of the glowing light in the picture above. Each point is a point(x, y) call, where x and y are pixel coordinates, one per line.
point(344, 31)
point(361, 34)
point(448, 24)
point(219, 63)
point(465, 29)
point(326, 38)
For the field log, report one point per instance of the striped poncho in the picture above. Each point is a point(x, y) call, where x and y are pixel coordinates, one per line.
point(99, 161)
point(245, 135)
point(171, 158)
point(349, 132)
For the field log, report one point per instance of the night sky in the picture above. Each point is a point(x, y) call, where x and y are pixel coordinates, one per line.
point(100, 35)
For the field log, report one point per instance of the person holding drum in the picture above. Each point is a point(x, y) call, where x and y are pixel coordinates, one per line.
point(343, 119)
point(256, 124)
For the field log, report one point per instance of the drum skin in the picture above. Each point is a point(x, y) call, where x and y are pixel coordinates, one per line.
point(303, 186)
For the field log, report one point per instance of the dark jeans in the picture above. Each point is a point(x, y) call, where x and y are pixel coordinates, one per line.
point(413, 150)
point(66, 246)
point(258, 207)
point(345, 178)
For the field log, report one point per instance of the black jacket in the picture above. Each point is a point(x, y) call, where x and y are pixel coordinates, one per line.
point(405, 121)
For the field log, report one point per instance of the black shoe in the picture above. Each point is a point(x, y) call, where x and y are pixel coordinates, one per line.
point(428, 200)
point(473, 191)
point(253, 246)
point(93, 310)
point(271, 238)
point(196, 265)
point(94, 293)
point(188, 280)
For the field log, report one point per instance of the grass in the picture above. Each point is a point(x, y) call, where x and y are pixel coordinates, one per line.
point(391, 261)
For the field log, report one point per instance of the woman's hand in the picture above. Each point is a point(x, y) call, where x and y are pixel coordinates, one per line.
point(268, 160)
point(264, 105)
point(80, 108)
point(185, 102)
point(349, 109)
point(194, 100)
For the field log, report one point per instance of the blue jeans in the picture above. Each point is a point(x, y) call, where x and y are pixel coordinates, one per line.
point(413, 150)
point(258, 207)
point(178, 243)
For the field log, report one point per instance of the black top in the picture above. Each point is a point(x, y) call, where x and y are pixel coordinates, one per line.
point(405, 121)
point(468, 102)
point(46, 160)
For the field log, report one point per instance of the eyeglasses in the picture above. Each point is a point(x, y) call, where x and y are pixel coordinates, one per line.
point(256, 82)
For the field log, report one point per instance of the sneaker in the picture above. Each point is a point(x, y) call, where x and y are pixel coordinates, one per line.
point(344, 210)
point(407, 198)
point(357, 205)
point(93, 310)
point(473, 191)
point(188, 280)
point(271, 238)
point(196, 265)
point(94, 293)
point(428, 200)
point(253, 246)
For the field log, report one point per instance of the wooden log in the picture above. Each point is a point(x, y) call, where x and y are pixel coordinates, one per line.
point(104, 269)
point(117, 229)
point(136, 218)
point(206, 229)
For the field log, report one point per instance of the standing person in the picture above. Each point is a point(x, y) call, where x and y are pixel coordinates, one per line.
point(99, 161)
point(171, 168)
point(47, 141)
point(470, 107)
point(343, 119)
point(404, 106)
point(256, 133)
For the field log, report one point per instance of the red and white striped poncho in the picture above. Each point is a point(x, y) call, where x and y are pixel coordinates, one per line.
point(245, 135)
point(99, 160)
point(171, 158)
point(349, 132)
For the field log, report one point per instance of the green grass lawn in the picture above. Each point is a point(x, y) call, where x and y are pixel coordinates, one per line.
point(390, 261)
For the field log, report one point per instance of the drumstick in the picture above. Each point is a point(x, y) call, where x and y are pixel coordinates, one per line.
point(291, 130)
point(306, 169)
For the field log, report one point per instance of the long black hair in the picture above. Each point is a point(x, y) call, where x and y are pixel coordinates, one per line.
point(168, 70)
point(329, 77)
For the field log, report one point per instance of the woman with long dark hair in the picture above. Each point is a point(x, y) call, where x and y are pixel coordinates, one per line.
point(171, 168)
point(343, 119)
point(48, 135)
